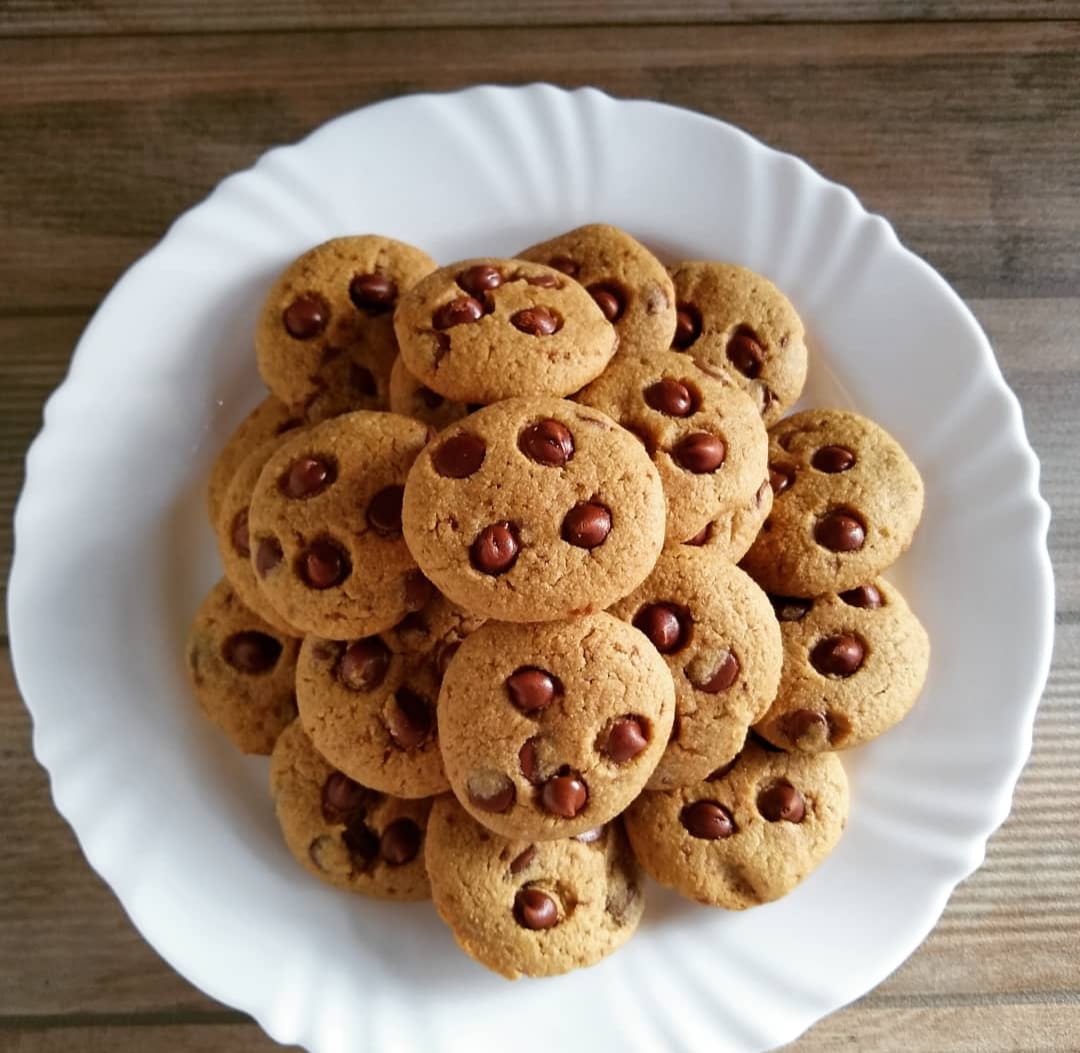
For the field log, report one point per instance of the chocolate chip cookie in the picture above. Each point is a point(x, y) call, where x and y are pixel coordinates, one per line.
point(524, 908)
point(325, 337)
point(534, 509)
point(324, 526)
point(854, 664)
point(347, 835)
point(720, 639)
point(549, 730)
point(410, 398)
point(749, 834)
point(732, 533)
point(488, 329)
point(737, 322)
point(703, 434)
point(242, 669)
point(628, 282)
point(848, 500)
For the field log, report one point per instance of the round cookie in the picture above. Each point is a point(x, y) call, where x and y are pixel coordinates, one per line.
point(704, 435)
point(242, 669)
point(532, 909)
point(747, 836)
point(269, 418)
point(410, 398)
point(488, 329)
point(325, 336)
point(628, 282)
point(324, 526)
point(347, 835)
point(534, 509)
point(854, 664)
point(368, 705)
point(848, 500)
point(737, 322)
point(551, 729)
point(732, 533)
point(720, 639)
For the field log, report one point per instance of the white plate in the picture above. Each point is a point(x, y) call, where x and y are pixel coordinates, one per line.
point(113, 555)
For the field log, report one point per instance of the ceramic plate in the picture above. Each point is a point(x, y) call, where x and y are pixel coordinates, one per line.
point(113, 554)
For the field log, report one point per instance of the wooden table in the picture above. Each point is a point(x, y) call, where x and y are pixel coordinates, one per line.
point(964, 130)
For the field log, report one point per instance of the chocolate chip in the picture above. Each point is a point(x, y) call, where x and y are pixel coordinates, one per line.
point(307, 476)
point(833, 459)
point(626, 738)
point(306, 316)
point(342, 798)
point(241, 537)
point(462, 311)
point(535, 910)
point(806, 724)
point(324, 565)
point(445, 655)
point(588, 837)
point(384, 511)
point(707, 820)
point(666, 625)
point(364, 664)
point(418, 590)
point(780, 477)
point(839, 655)
point(409, 719)
point(544, 281)
point(781, 801)
point(490, 791)
point(531, 689)
point(674, 398)
point(495, 549)
point(565, 795)
point(362, 380)
point(701, 536)
point(251, 652)
point(745, 353)
point(687, 326)
point(547, 442)
point(400, 842)
point(374, 293)
point(840, 532)
point(609, 298)
point(268, 555)
point(587, 525)
point(719, 677)
point(479, 279)
point(564, 264)
point(700, 452)
point(528, 762)
point(867, 596)
point(431, 399)
point(459, 456)
point(522, 859)
point(536, 321)
point(790, 608)
point(361, 841)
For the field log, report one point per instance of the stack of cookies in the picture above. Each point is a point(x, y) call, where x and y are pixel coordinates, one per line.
point(529, 583)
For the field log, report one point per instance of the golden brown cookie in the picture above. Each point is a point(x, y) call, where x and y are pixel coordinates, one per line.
point(748, 835)
point(732, 533)
point(740, 324)
point(703, 433)
point(325, 526)
point(488, 329)
point(347, 835)
point(848, 500)
point(242, 669)
point(534, 509)
point(628, 282)
point(719, 636)
point(551, 729)
point(325, 336)
point(525, 908)
point(854, 664)
point(410, 398)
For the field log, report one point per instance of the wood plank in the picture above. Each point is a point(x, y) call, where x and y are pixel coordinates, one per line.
point(109, 138)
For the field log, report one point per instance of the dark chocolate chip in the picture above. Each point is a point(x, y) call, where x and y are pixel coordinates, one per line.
point(342, 799)
point(374, 293)
point(479, 279)
point(666, 625)
point(674, 398)
point(251, 652)
point(790, 608)
point(418, 590)
point(781, 801)
point(745, 353)
point(306, 316)
point(268, 555)
point(459, 456)
point(780, 477)
point(839, 655)
point(544, 281)
point(609, 298)
point(707, 820)
point(241, 537)
point(687, 326)
point(495, 549)
point(564, 264)
point(384, 511)
point(547, 442)
point(462, 311)
point(361, 841)
point(565, 795)
point(700, 452)
point(867, 596)
point(528, 762)
point(833, 459)
point(409, 719)
point(806, 724)
point(626, 738)
point(535, 910)
point(536, 321)
point(721, 676)
point(840, 532)
point(532, 689)
point(400, 842)
point(522, 859)
point(490, 791)
point(364, 664)
point(307, 476)
point(587, 525)
point(324, 564)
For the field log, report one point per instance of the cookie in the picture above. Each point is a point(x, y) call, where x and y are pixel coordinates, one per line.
point(348, 835)
point(488, 329)
point(628, 282)
point(720, 639)
point(325, 337)
point(369, 704)
point(534, 509)
point(410, 398)
point(524, 908)
point(854, 664)
point(324, 526)
point(269, 418)
point(732, 533)
point(848, 500)
point(748, 835)
point(243, 671)
point(549, 730)
point(703, 433)
point(733, 320)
